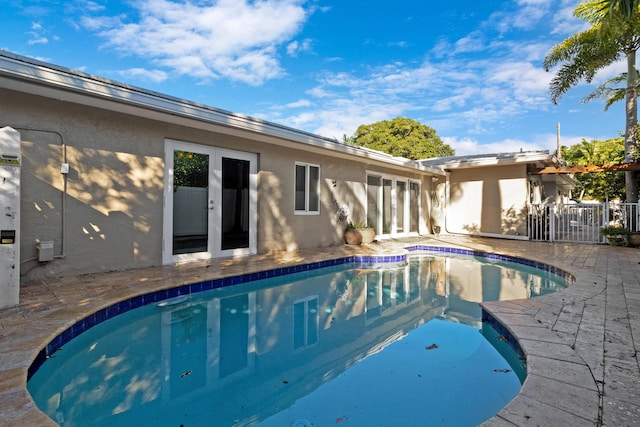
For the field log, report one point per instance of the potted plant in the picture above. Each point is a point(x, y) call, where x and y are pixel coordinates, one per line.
point(368, 233)
point(616, 235)
point(355, 232)
point(351, 235)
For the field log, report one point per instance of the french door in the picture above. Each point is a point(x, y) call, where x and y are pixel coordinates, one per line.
point(393, 205)
point(210, 202)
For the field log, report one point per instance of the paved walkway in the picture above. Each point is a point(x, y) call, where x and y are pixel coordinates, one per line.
point(581, 343)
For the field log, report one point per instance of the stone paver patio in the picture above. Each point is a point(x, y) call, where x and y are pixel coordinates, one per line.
point(581, 343)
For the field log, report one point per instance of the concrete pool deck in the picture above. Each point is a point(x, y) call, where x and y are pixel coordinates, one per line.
point(581, 343)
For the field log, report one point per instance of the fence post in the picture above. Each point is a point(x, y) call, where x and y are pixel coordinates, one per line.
point(551, 214)
point(605, 218)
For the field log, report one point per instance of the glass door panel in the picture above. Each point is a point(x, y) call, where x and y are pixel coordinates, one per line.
point(401, 192)
point(235, 203)
point(190, 202)
point(374, 184)
point(386, 206)
point(414, 207)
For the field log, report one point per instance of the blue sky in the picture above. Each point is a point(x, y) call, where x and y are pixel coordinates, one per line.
point(472, 70)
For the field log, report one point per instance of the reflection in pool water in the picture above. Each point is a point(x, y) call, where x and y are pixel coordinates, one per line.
point(389, 346)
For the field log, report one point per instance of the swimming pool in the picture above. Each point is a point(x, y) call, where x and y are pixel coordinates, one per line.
point(394, 344)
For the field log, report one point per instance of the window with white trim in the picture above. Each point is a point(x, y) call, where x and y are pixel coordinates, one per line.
point(307, 189)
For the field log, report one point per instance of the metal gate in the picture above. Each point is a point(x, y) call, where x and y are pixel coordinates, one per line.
point(579, 222)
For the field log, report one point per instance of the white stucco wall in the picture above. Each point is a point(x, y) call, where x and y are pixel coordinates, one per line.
point(488, 200)
point(107, 212)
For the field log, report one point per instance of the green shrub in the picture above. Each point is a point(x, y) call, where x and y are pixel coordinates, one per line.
point(614, 230)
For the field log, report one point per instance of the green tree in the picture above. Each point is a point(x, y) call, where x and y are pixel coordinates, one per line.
point(401, 137)
point(614, 34)
point(190, 169)
point(602, 185)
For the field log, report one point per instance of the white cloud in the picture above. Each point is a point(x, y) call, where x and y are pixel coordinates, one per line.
point(155, 76)
point(540, 142)
point(398, 44)
point(37, 34)
point(296, 47)
point(458, 100)
point(234, 39)
point(299, 103)
point(610, 71)
point(474, 94)
point(336, 117)
point(531, 12)
point(37, 40)
point(468, 146)
point(474, 42)
point(526, 82)
point(565, 23)
point(532, 52)
point(527, 16)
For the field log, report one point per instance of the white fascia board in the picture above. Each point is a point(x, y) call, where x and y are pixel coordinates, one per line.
point(35, 77)
point(495, 161)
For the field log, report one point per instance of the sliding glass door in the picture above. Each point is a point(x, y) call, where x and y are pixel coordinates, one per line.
point(393, 205)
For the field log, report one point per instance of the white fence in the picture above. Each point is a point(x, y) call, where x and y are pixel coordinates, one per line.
point(580, 222)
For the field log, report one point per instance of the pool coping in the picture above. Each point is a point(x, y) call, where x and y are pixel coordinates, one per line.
point(554, 366)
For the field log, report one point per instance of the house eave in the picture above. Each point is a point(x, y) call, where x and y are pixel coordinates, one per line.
point(489, 160)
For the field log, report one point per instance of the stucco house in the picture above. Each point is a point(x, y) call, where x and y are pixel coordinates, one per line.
point(489, 194)
point(115, 177)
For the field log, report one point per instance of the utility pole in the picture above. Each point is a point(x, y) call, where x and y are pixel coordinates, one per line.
point(558, 150)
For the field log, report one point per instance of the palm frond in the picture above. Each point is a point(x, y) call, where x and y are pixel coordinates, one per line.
point(581, 56)
point(610, 91)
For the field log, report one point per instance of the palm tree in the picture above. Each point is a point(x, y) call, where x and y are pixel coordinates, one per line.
point(626, 7)
point(614, 34)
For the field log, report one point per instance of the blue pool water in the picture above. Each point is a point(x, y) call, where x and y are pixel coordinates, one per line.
point(394, 345)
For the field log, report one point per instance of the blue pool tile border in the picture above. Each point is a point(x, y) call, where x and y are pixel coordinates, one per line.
point(358, 261)
point(505, 333)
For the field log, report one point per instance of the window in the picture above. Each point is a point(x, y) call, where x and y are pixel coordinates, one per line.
point(307, 191)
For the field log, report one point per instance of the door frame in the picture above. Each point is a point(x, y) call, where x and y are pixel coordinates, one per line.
point(215, 194)
point(391, 204)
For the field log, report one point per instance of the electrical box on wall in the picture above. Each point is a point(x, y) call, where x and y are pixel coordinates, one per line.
point(45, 251)
point(10, 162)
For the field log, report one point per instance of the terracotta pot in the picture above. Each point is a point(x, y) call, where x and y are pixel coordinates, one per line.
point(634, 239)
point(620, 240)
point(352, 237)
point(368, 234)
